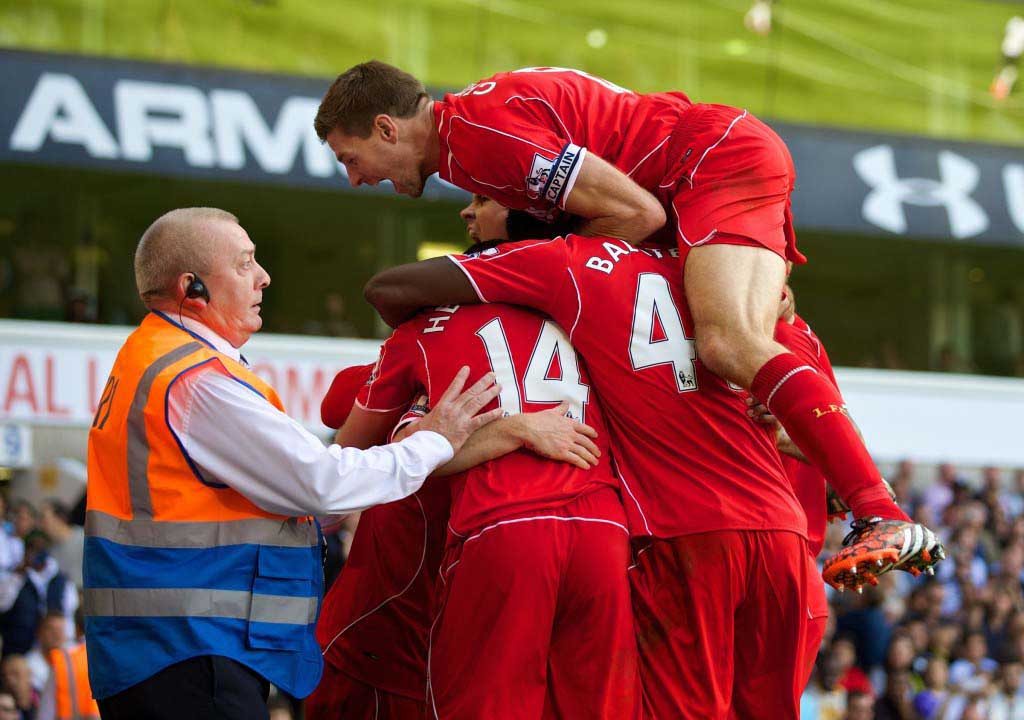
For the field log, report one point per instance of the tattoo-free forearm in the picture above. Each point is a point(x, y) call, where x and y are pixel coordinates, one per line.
point(490, 442)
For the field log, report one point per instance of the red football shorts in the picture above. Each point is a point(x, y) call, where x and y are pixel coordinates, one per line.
point(535, 619)
point(721, 625)
point(340, 697)
point(817, 618)
point(732, 183)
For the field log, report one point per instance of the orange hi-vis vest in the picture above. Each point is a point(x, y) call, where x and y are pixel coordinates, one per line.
point(71, 684)
point(176, 564)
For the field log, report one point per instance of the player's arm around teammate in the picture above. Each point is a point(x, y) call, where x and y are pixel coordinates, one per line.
point(549, 433)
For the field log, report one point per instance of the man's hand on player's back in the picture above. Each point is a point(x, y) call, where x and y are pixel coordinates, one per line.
point(455, 414)
point(554, 435)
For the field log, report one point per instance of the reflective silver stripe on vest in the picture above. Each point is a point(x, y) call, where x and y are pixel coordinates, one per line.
point(72, 687)
point(138, 443)
point(143, 532)
point(199, 602)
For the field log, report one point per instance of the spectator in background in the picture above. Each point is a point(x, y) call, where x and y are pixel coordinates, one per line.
point(37, 587)
point(896, 702)
point(931, 702)
point(1012, 47)
point(860, 706)
point(852, 679)
point(899, 658)
point(902, 483)
point(1013, 498)
point(975, 663)
point(865, 623)
point(67, 694)
point(25, 518)
point(826, 697)
point(937, 496)
point(335, 322)
point(17, 680)
point(8, 707)
point(1007, 703)
point(12, 548)
point(67, 541)
point(52, 633)
point(949, 360)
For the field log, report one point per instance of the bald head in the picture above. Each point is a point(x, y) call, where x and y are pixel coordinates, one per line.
point(180, 241)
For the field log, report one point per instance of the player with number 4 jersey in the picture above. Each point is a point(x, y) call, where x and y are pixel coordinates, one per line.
point(720, 590)
point(538, 550)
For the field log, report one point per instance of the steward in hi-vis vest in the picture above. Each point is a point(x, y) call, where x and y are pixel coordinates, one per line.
point(72, 693)
point(177, 565)
point(202, 565)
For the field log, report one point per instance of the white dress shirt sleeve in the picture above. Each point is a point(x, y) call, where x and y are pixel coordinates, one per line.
point(235, 437)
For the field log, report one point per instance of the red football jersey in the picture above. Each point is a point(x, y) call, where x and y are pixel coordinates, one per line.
point(537, 369)
point(807, 480)
point(376, 617)
point(689, 458)
point(520, 137)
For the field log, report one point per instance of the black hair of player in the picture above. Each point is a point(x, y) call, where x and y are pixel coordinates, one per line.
point(521, 225)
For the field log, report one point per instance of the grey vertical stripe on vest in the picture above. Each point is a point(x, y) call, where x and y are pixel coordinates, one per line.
point(71, 684)
point(199, 602)
point(138, 443)
point(144, 532)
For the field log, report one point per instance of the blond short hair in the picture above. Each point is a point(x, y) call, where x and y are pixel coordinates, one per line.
point(177, 242)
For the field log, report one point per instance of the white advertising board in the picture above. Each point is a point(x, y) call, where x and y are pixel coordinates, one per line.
point(53, 373)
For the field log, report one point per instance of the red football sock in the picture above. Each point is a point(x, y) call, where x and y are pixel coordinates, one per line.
point(814, 415)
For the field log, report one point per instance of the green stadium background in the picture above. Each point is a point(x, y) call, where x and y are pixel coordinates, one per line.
point(909, 67)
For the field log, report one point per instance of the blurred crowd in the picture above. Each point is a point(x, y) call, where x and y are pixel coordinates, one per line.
point(947, 647)
point(40, 606)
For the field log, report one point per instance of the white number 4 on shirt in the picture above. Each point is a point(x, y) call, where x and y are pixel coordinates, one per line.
point(658, 337)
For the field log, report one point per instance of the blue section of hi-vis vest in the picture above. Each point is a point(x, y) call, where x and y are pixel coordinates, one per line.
point(124, 651)
point(127, 649)
point(113, 565)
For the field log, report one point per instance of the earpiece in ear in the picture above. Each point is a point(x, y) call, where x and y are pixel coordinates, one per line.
point(197, 288)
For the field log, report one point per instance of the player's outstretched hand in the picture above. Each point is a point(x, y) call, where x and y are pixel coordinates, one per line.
point(455, 414)
point(875, 546)
point(551, 434)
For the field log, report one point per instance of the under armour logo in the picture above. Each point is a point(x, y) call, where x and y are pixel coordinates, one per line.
point(883, 206)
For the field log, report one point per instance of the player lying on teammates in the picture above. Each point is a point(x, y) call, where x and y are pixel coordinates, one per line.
point(537, 550)
point(721, 589)
point(557, 140)
point(375, 618)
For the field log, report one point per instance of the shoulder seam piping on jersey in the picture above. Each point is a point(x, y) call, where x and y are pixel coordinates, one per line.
point(476, 288)
point(579, 303)
point(552, 109)
point(426, 367)
point(499, 132)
